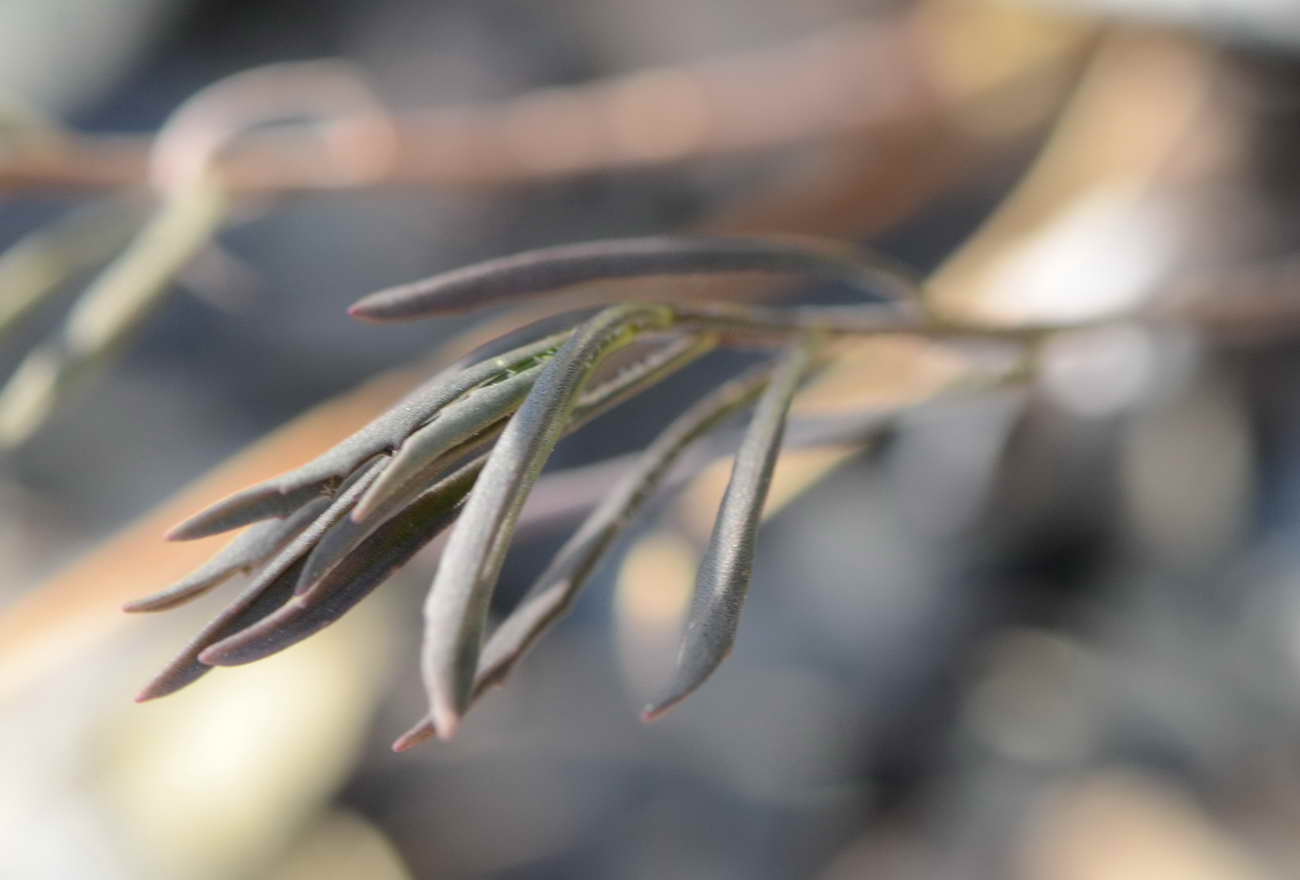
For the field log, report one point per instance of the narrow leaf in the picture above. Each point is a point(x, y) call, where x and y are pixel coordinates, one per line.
point(250, 548)
point(724, 574)
point(743, 322)
point(259, 599)
point(344, 536)
point(285, 493)
point(353, 573)
point(250, 505)
point(458, 421)
point(387, 549)
point(269, 590)
point(554, 591)
point(456, 612)
point(547, 269)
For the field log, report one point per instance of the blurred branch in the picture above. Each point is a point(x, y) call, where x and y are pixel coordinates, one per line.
point(1246, 304)
point(36, 265)
point(193, 209)
point(865, 76)
point(114, 305)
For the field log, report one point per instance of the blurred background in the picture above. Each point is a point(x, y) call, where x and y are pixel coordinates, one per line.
point(1050, 633)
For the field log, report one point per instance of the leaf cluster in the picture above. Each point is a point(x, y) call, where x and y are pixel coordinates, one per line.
point(463, 452)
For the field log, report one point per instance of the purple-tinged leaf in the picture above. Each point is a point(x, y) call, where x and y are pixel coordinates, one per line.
point(249, 549)
point(285, 493)
point(724, 574)
point(548, 269)
point(387, 549)
point(456, 613)
point(661, 362)
point(460, 420)
point(554, 591)
point(269, 590)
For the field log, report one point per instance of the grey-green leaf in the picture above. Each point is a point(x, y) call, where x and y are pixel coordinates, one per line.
point(456, 613)
point(458, 421)
point(285, 493)
point(272, 587)
point(630, 380)
point(547, 269)
point(554, 591)
point(345, 536)
point(353, 578)
point(249, 548)
point(724, 574)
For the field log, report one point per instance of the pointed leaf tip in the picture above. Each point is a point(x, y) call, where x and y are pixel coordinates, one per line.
point(421, 732)
point(256, 503)
point(655, 711)
point(544, 270)
point(724, 574)
point(370, 308)
point(457, 608)
point(559, 584)
point(361, 311)
point(248, 549)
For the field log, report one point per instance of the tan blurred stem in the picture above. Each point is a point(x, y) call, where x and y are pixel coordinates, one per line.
point(1132, 111)
point(203, 129)
point(861, 76)
point(992, 76)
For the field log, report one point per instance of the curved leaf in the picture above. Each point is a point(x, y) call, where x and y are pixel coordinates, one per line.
point(456, 613)
point(113, 307)
point(344, 536)
point(251, 547)
point(555, 590)
point(547, 269)
point(458, 421)
point(269, 590)
point(384, 551)
point(724, 574)
point(285, 493)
